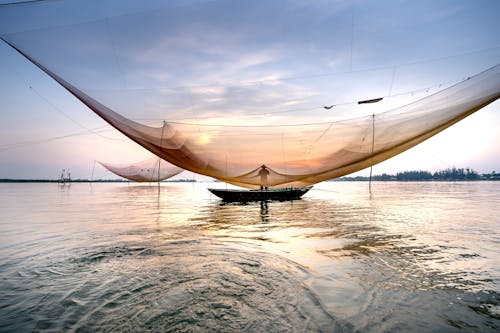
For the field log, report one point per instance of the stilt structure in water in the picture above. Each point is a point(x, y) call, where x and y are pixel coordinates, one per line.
point(65, 177)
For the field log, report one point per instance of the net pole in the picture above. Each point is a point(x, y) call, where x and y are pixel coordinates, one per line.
point(159, 159)
point(92, 176)
point(373, 145)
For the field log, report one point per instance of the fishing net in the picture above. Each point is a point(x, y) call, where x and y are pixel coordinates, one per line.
point(151, 170)
point(190, 83)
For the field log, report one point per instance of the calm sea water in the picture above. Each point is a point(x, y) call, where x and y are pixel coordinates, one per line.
point(413, 257)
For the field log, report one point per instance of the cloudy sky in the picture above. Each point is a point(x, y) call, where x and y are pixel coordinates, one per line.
point(206, 61)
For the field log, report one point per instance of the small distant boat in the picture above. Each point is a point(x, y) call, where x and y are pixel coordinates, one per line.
point(282, 194)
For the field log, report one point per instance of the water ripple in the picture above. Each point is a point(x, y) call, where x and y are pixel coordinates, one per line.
point(179, 286)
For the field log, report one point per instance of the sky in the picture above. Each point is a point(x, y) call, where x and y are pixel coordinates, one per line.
point(216, 59)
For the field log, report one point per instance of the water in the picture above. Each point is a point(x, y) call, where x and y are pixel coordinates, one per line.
point(413, 257)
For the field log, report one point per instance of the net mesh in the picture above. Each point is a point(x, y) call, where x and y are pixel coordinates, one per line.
point(202, 95)
point(151, 170)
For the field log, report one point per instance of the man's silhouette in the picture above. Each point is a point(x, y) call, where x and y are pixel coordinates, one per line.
point(263, 173)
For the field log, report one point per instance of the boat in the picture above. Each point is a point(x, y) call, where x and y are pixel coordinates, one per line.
point(281, 194)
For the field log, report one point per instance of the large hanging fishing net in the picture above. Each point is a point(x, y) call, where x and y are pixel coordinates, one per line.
point(151, 170)
point(210, 89)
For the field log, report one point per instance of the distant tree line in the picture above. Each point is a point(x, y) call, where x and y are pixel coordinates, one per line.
point(450, 174)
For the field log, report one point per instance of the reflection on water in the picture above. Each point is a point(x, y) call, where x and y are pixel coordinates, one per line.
point(412, 257)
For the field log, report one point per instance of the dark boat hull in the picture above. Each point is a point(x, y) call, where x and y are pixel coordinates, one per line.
point(260, 195)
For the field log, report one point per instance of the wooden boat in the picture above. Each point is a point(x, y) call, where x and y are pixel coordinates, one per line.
point(282, 194)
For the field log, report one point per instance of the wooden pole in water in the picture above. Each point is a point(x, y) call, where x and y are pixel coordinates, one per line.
point(159, 158)
point(92, 176)
point(373, 145)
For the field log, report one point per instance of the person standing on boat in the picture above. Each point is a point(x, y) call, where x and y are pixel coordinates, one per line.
point(263, 173)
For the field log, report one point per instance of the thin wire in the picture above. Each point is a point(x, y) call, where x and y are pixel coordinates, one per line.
point(138, 12)
point(5, 147)
point(323, 133)
point(322, 189)
point(65, 115)
point(22, 2)
point(392, 81)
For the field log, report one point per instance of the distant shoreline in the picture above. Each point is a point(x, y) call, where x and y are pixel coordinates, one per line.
point(374, 179)
point(450, 175)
